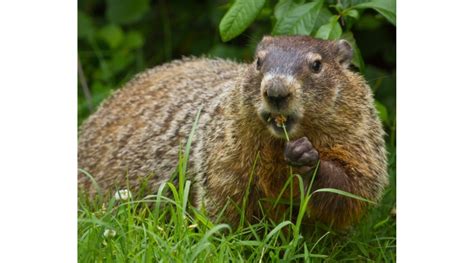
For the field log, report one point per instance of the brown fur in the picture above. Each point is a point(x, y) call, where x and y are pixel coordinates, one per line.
point(139, 129)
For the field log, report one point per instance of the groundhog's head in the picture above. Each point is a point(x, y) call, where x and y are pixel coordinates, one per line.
point(298, 80)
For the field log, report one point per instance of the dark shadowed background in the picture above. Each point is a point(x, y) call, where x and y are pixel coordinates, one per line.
point(119, 38)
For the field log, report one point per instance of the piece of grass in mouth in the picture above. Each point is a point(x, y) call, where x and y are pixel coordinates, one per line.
point(280, 121)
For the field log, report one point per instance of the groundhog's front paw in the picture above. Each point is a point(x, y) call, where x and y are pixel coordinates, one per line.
point(300, 153)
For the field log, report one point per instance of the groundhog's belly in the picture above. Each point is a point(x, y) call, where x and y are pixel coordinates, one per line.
point(137, 132)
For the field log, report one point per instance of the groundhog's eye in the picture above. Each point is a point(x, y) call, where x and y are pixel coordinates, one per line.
point(259, 63)
point(316, 66)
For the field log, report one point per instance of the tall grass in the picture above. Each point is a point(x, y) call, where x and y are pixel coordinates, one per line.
point(164, 227)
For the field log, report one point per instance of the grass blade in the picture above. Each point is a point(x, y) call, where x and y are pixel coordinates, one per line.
point(340, 192)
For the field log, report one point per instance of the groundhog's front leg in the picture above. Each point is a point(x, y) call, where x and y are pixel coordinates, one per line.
point(301, 153)
point(338, 210)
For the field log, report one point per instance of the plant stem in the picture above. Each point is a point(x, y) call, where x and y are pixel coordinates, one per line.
point(286, 134)
point(291, 172)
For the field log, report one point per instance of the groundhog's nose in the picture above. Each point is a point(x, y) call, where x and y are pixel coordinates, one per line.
point(277, 93)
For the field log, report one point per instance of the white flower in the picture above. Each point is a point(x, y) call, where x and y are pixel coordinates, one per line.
point(109, 233)
point(123, 194)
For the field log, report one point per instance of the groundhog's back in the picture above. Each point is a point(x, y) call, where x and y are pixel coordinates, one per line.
point(137, 131)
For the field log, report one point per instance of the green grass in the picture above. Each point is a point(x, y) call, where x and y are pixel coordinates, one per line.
point(165, 231)
point(163, 227)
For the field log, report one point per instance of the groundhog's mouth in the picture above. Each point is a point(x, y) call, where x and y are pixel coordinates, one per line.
point(276, 121)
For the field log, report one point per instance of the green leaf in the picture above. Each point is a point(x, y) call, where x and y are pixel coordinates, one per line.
point(323, 17)
point(343, 193)
point(240, 15)
point(300, 20)
point(391, 17)
point(353, 13)
point(277, 229)
point(203, 243)
point(126, 11)
point(357, 58)
point(249, 243)
point(187, 150)
point(384, 7)
point(282, 8)
point(349, 3)
point(111, 34)
point(94, 182)
point(331, 30)
point(382, 110)
point(338, 6)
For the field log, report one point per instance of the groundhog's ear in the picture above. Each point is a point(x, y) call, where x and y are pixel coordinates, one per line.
point(266, 38)
point(264, 42)
point(344, 52)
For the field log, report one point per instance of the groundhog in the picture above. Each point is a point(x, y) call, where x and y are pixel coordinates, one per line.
point(297, 85)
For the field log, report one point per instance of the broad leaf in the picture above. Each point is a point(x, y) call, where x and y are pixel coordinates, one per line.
point(331, 30)
point(348, 3)
point(357, 58)
point(323, 17)
point(353, 13)
point(300, 20)
point(282, 7)
point(240, 15)
point(126, 11)
point(384, 7)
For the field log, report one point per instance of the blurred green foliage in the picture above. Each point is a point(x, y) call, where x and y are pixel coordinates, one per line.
point(119, 38)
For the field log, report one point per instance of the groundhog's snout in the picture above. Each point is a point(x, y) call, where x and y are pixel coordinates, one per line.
point(277, 90)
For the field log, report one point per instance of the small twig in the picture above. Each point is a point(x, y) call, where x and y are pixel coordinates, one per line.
point(85, 88)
